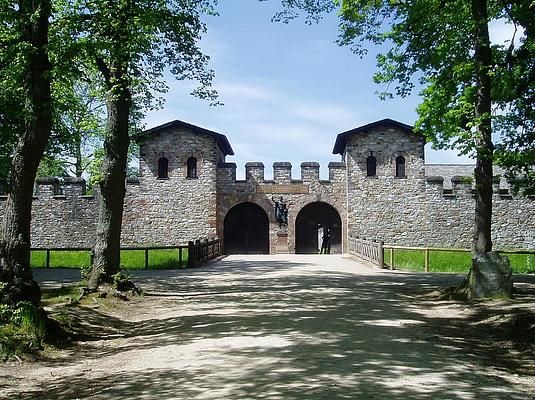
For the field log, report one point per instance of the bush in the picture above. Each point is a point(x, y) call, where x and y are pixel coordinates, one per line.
point(122, 281)
point(22, 330)
point(529, 266)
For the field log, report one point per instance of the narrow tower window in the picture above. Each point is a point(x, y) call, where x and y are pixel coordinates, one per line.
point(163, 168)
point(400, 167)
point(192, 167)
point(371, 166)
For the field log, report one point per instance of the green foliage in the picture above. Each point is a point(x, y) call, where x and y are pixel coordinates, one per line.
point(13, 60)
point(431, 44)
point(50, 166)
point(22, 329)
point(65, 294)
point(122, 281)
point(80, 124)
point(141, 40)
point(523, 264)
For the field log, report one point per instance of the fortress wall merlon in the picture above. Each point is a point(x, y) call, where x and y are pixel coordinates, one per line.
point(47, 187)
point(74, 187)
point(496, 184)
point(435, 185)
point(462, 185)
point(226, 172)
point(282, 172)
point(254, 171)
point(337, 172)
point(310, 171)
point(132, 186)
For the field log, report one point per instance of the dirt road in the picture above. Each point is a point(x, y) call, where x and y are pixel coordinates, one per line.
point(286, 327)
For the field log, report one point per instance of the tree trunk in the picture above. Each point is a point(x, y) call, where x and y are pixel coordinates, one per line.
point(482, 242)
point(106, 261)
point(490, 274)
point(15, 270)
point(78, 161)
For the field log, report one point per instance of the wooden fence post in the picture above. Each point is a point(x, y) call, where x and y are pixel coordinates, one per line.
point(47, 264)
point(191, 255)
point(391, 258)
point(180, 257)
point(146, 258)
point(426, 263)
point(381, 254)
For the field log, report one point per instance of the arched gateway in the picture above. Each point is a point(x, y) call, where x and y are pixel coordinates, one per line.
point(308, 227)
point(246, 230)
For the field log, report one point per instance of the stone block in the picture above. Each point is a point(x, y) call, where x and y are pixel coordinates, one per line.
point(254, 171)
point(490, 276)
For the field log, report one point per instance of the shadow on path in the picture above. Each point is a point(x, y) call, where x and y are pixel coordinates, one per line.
point(296, 328)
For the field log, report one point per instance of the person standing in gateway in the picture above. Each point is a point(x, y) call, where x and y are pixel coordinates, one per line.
point(325, 241)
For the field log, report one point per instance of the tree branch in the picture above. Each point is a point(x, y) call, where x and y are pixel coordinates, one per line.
point(103, 68)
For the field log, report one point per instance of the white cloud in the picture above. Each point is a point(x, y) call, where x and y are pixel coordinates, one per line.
point(321, 113)
point(445, 157)
point(501, 32)
point(242, 92)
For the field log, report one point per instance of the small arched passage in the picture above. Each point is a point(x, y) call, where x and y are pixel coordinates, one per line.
point(307, 227)
point(246, 230)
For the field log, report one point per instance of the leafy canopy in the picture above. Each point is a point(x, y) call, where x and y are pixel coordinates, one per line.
point(142, 40)
point(430, 45)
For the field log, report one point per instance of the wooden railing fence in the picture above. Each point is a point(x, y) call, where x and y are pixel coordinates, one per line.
point(370, 250)
point(189, 255)
point(374, 251)
point(200, 251)
point(426, 250)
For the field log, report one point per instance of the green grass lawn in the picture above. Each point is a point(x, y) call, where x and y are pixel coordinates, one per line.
point(447, 261)
point(130, 259)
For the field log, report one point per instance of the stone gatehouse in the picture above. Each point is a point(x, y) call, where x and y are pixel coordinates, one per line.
point(381, 189)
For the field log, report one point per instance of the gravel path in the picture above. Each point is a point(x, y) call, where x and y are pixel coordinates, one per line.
point(282, 327)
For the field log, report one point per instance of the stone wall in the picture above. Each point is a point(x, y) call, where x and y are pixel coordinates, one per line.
point(448, 171)
point(418, 209)
point(177, 209)
point(296, 193)
point(62, 220)
point(384, 206)
point(450, 216)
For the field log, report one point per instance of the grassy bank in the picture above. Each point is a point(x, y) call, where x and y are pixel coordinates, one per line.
point(446, 261)
point(130, 259)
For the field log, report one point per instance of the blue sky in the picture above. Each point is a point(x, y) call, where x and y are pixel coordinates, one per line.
point(287, 89)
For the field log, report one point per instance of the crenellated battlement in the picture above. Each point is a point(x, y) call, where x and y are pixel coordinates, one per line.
point(463, 186)
point(282, 173)
point(53, 188)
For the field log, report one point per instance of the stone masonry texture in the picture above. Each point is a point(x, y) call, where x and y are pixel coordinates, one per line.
point(432, 205)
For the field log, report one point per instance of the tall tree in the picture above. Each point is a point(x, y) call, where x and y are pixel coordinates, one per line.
point(445, 47)
point(515, 98)
point(79, 125)
point(132, 43)
point(25, 68)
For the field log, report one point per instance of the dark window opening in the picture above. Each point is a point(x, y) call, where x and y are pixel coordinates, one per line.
point(192, 167)
point(400, 167)
point(371, 166)
point(163, 168)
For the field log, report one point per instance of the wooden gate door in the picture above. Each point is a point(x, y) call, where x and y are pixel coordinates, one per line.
point(246, 230)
